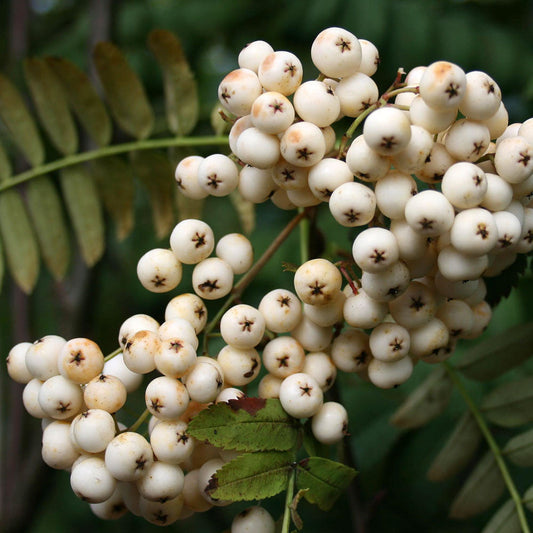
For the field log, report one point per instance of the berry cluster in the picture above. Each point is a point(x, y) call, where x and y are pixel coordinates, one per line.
point(422, 258)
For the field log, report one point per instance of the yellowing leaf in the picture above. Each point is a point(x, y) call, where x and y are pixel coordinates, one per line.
point(51, 105)
point(85, 211)
point(181, 95)
point(510, 404)
point(20, 245)
point(114, 180)
point(498, 354)
point(505, 520)
point(426, 402)
point(519, 449)
point(83, 99)
point(124, 91)
point(245, 210)
point(20, 123)
point(481, 490)
point(457, 451)
point(50, 225)
point(251, 476)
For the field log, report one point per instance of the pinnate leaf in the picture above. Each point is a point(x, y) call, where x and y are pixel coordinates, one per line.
point(181, 95)
point(323, 480)
point(504, 520)
point(51, 104)
point(458, 450)
point(124, 91)
point(498, 354)
point(19, 240)
point(510, 404)
point(83, 99)
point(481, 490)
point(426, 402)
point(519, 449)
point(114, 180)
point(50, 225)
point(251, 476)
point(20, 123)
point(247, 424)
point(85, 211)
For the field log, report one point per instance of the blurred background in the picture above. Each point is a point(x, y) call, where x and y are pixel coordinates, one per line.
point(491, 35)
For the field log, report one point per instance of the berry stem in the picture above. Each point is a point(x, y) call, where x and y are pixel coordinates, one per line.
point(112, 354)
point(137, 424)
point(111, 150)
point(288, 500)
point(511, 487)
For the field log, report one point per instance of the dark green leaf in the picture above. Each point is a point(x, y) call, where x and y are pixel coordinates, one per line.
point(325, 480)
point(510, 404)
point(85, 211)
point(124, 91)
point(181, 95)
point(252, 476)
point(481, 490)
point(157, 175)
point(500, 286)
point(2, 264)
point(458, 450)
point(83, 99)
point(247, 424)
point(51, 104)
point(50, 225)
point(519, 449)
point(528, 498)
point(5, 165)
point(498, 354)
point(116, 186)
point(20, 123)
point(504, 520)
point(20, 245)
point(426, 402)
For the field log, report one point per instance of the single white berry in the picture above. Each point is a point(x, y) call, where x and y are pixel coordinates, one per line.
point(457, 266)
point(80, 360)
point(281, 310)
point(166, 398)
point(175, 358)
point(499, 193)
point(428, 338)
point(159, 270)
point(16, 363)
point(328, 314)
point(429, 118)
point(190, 307)
point(429, 213)
point(413, 157)
point(30, 398)
point(253, 53)
point(269, 386)
point(58, 451)
point(140, 350)
point(320, 366)
point(254, 147)
point(474, 231)
point(361, 311)
point(289, 176)
point(161, 482)
point(60, 398)
point(352, 204)
point(388, 375)
point(365, 163)
point(93, 430)
point(283, 356)
point(317, 281)
point(170, 441)
point(389, 342)
point(350, 350)
point(136, 323)
point(238, 90)
point(256, 184)
point(186, 175)
point(105, 392)
point(388, 284)
point(41, 357)
point(217, 175)
point(280, 71)
point(212, 278)
point(356, 93)
point(375, 249)
point(387, 131)
point(457, 316)
point(443, 85)
point(242, 326)
point(336, 52)
point(311, 336)
point(482, 96)
point(116, 367)
point(316, 102)
point(272, 112)
point(514, 159)
point(92, 481)
point(330, 424)
point(253, 520)
point(467, 140)
point(411, 244)
point(240, 366)
point(369, 57)
point(393, 191)
point(303, 144)
point(237, 251)
point(204, 380)
point(128, 456)
point(326, 176)
point(300, 395)
point(416, 306)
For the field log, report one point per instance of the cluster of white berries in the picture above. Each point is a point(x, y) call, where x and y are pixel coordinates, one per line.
point(422, 259)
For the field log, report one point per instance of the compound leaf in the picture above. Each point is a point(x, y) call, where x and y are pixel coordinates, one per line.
point(323, 480)
point(19, 240)
point(156, 174)
point(252, 476)
point(498, 354)
point(85, 211)
point(181, 95)
point(116, 186)
point(426, 402)
point(20, 123)
point(504, 520)
point(124, 91)
point(51, 104)
point(519, 449)
point(83, 99)
point(458, 450)
point(50, 225)
point(483, 488)
point(247, 424)
point(510, 404)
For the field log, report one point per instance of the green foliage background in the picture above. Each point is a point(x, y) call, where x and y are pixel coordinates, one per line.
point(495, 36)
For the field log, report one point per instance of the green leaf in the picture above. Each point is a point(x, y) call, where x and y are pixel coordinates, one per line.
point(116, 186)
point(426, 402)
point(50, 225)
point(85, 211)
point(247, 424)
point(481, 490)
point(181, 95)
point(83, 99)
point(458, 450)
point(245, 211)
point(124, 91)
point(188, 207)
point(20, 123)
point(504, 520)
point(510, 404)
point(157, 175)
point(2, 264)
point(5, 165)
point(20, 245)
point(519, 449)
point(500, 286)
point(252, 476)
point(498, 354)
point(51, 105)
point(325, 480)
point(528, 498)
